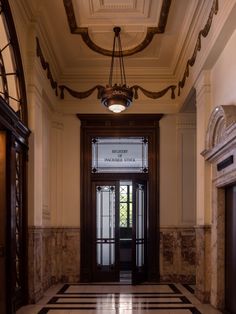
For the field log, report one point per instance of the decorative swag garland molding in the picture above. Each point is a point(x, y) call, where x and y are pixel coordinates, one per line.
point(150, 33)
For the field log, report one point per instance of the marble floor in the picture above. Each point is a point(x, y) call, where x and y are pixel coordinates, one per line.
point(119, 298)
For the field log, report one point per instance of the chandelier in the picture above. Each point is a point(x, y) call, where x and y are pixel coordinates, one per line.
point(117, 96)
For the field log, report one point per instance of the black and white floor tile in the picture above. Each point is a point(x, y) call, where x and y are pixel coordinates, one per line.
point(119, 298)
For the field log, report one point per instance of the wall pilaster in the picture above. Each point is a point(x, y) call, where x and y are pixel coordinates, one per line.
point(203, 191)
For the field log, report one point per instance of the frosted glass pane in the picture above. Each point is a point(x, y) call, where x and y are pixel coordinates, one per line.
point(105, 227)
point(140, 207)
point(108, 254)
point(3, 36)
point(140, 255)
point(12, 86)
point(140, 213)
point(105, 220)
point(99, 257)
point(114, 154)
point(8, 60)
point(14, 105)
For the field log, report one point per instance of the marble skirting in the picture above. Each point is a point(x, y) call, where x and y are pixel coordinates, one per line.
point(54, 256)
point(177, 255)
point(203, 264)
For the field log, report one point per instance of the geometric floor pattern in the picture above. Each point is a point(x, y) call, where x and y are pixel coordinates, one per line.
point(119, 298)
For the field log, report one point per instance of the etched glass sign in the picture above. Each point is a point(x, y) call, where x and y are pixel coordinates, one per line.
point(119, 154)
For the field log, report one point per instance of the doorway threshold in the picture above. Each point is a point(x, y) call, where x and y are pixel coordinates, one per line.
point(125, 276)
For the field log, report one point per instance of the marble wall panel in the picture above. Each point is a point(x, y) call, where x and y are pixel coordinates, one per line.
point(177, 255)
point(54, 256)
point(34, 264)
point(203, 264)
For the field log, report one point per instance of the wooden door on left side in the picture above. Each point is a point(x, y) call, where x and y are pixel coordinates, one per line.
point(3, 222)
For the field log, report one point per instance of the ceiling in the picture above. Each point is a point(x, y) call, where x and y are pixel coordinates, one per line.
point(100, 16)
point(66, 25)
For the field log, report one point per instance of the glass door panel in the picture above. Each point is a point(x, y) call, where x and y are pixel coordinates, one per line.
point(125, 208)
point(106, 237)
point(139, 232)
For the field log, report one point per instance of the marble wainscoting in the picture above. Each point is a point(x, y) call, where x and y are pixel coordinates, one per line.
point(54, 256)
point(178, 255)
point(203, 263)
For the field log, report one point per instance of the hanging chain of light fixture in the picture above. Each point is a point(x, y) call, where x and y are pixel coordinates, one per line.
point(119, 96)
point(116, 97)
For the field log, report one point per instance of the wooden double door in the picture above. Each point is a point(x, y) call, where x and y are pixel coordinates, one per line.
point(91, 268)
point(13, 220)
point(120, 230)
point(230, 250)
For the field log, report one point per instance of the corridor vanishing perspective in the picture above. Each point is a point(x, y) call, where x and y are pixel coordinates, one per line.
point(119, 298)
point(117, 156)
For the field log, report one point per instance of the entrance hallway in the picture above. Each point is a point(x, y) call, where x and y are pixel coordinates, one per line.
point(119, 298)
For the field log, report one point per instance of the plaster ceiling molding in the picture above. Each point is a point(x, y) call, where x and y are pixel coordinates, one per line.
point(130, 36)
point(99, 88)
point(203, 33)
point(142, 18)
point(221, 129)
point(132, 8)
point(45, 65)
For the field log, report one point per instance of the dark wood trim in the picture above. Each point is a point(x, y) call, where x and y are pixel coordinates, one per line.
point(83, 31)
point(9, 120)
point(17, 56)
point(119, 125)
point(16, 140)
point(3, 230)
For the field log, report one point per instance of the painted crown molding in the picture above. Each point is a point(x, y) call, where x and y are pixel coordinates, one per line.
point(83, 31)
point(99, 88)
point(198, 45)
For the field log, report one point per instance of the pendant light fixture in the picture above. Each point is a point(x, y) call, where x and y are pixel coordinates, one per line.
point(117, 96)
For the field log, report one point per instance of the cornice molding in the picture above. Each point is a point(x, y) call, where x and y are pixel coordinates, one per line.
point(46, 66)
point(202, 33)
point(99, 88)
point(151, 94)
point(134, 88)
point(83, 31)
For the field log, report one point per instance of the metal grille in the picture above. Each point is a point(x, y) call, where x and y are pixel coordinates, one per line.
point(126, 206)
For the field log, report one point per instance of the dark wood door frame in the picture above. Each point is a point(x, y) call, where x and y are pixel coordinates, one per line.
point(230, 248)
point(16, 142)
point(125, 125)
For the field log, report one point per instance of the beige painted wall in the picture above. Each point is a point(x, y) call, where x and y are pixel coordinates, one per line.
point(223, 75)
point(177, 170)
point(54, 153)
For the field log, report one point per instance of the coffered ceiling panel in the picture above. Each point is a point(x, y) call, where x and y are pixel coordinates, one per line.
point(90, 13)
point(68, 25)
